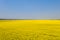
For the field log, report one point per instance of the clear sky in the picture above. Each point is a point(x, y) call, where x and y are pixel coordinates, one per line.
point(30, 9)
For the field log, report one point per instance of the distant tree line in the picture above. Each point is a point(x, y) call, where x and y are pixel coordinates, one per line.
point(29, 19)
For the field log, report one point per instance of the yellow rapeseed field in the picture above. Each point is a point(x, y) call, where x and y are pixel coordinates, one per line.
point(29, 29)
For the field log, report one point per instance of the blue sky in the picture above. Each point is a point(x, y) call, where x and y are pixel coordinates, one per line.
point(30, 9)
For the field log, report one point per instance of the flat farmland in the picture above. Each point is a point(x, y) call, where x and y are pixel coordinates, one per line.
point(29, 29)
